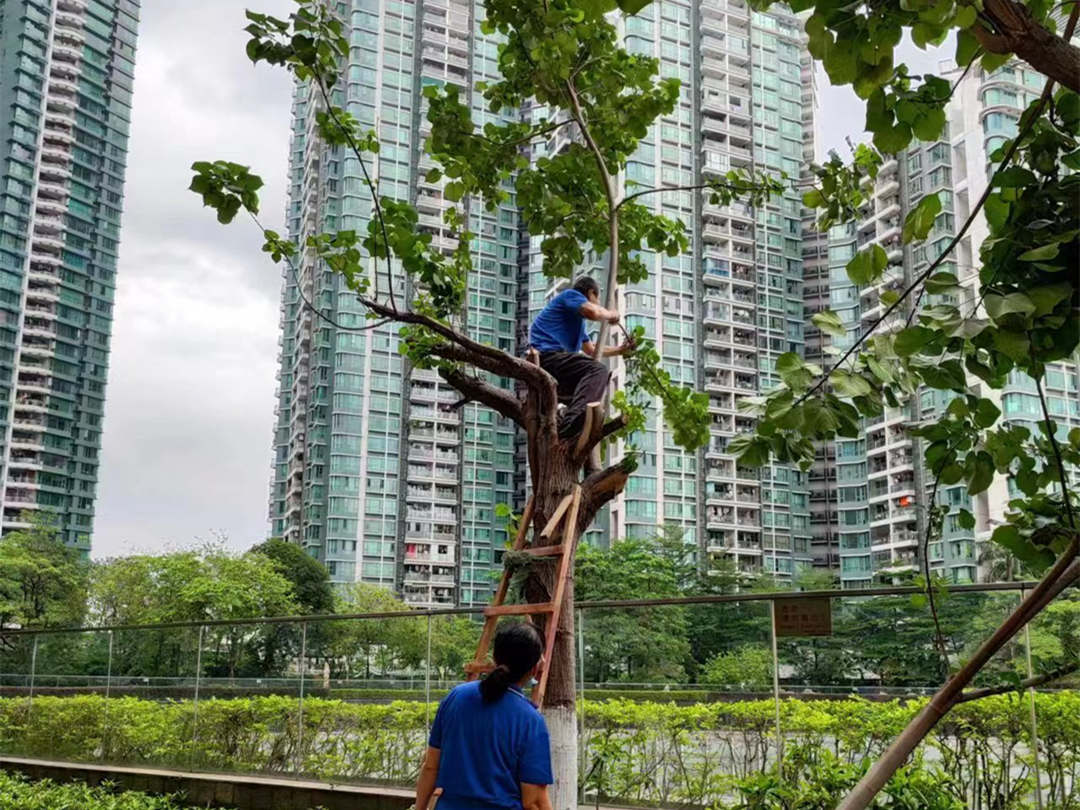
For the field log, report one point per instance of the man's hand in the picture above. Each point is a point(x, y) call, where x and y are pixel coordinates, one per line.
point(628, 346)
point(612, 317)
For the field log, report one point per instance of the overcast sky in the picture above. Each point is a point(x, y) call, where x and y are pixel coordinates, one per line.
point(189, 406)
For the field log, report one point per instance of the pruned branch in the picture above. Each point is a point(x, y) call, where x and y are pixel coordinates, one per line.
point(1030, 683)
point(1065, 572)
point(475, 389)
point(603, 486)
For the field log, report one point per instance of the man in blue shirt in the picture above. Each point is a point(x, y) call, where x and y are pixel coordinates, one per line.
point(566, 352)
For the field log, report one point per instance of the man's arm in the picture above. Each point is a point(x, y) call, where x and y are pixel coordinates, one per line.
point(595, 312)
point(425, 784)
point(534, 797)
point(589, 348)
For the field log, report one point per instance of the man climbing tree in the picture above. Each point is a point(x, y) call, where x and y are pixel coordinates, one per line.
point(559, 335)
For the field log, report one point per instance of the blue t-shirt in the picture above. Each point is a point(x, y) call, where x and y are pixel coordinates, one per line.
point(488, 749)
point(560, 326)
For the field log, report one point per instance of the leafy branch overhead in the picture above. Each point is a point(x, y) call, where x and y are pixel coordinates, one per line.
point(599, 97)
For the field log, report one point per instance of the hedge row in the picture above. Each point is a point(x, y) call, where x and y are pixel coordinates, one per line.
point(647, 752)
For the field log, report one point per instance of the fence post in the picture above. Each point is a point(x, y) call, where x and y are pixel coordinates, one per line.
point(108, 690)
point(427, 682)
point(195, 708)
point(776, 690)
point(1034, 717)
point(33, 669)
point(300, 715)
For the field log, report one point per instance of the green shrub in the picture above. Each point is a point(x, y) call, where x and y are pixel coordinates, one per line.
point(16, 793)
point(666, 753)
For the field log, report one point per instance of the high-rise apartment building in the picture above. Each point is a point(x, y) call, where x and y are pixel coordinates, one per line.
point(722, 313)
point(66, 73)
point(376, 475)
point(375, 472)
point(870, 494)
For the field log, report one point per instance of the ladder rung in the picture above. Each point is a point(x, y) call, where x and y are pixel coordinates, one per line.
point(519, 610)
point(544, 551)
point(479, 667)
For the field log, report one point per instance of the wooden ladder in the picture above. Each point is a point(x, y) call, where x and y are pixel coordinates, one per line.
point(562, 525)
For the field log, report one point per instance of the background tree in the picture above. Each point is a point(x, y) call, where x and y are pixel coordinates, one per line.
point(640, 645)
point(42, 580)
point(205, 585)
point(354, 647)
point(313, 593)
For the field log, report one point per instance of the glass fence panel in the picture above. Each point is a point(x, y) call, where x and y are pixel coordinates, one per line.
point(18, 655)
point(150, 708)
point(677, 701)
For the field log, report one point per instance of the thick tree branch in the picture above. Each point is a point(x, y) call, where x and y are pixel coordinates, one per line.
point(1030, 683)
point(474, 388)
point(1015, 31)
point(486, 357)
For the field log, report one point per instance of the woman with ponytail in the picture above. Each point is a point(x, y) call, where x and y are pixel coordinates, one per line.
point(489, 745)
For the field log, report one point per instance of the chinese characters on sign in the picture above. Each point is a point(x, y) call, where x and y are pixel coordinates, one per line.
point(804, 617)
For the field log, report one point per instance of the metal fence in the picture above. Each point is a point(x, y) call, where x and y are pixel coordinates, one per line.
point(651, 649)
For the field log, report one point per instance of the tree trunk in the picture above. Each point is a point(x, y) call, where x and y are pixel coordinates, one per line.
point(557, 476)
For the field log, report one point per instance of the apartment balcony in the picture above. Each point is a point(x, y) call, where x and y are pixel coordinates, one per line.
point(51, 189)
point(61, 87)
point(68, 51)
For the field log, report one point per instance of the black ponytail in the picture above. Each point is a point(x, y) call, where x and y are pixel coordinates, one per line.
point(516, 649)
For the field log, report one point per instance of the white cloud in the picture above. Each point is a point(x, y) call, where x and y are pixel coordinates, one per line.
point(189, 408)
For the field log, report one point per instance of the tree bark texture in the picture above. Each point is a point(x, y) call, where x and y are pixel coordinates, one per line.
point(1015, 31)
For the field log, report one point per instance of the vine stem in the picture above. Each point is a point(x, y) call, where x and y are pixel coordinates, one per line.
point(310, 306)
point(939, 636)
point(922, 277)
point(331, 110)
point(1057, 452)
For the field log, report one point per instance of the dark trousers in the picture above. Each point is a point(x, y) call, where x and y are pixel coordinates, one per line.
point(581, 380)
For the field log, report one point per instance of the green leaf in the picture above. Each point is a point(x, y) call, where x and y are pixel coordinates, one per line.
point(632, 6)
point(1009, 538)
point(793, 371)
point(1049, 296)
point(920, 220)
point(986, 413)
point(997, 212)
point(867, 265)
point(966, 519)
point(980, 470)
point(847, 384)
point(909, 341)
point(966, 47)
point(1014, 345)
point(750, 449)
point(829, 323)
point(1040, 254)
point(998, 306)
point(942, 283)
point(947, 376)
